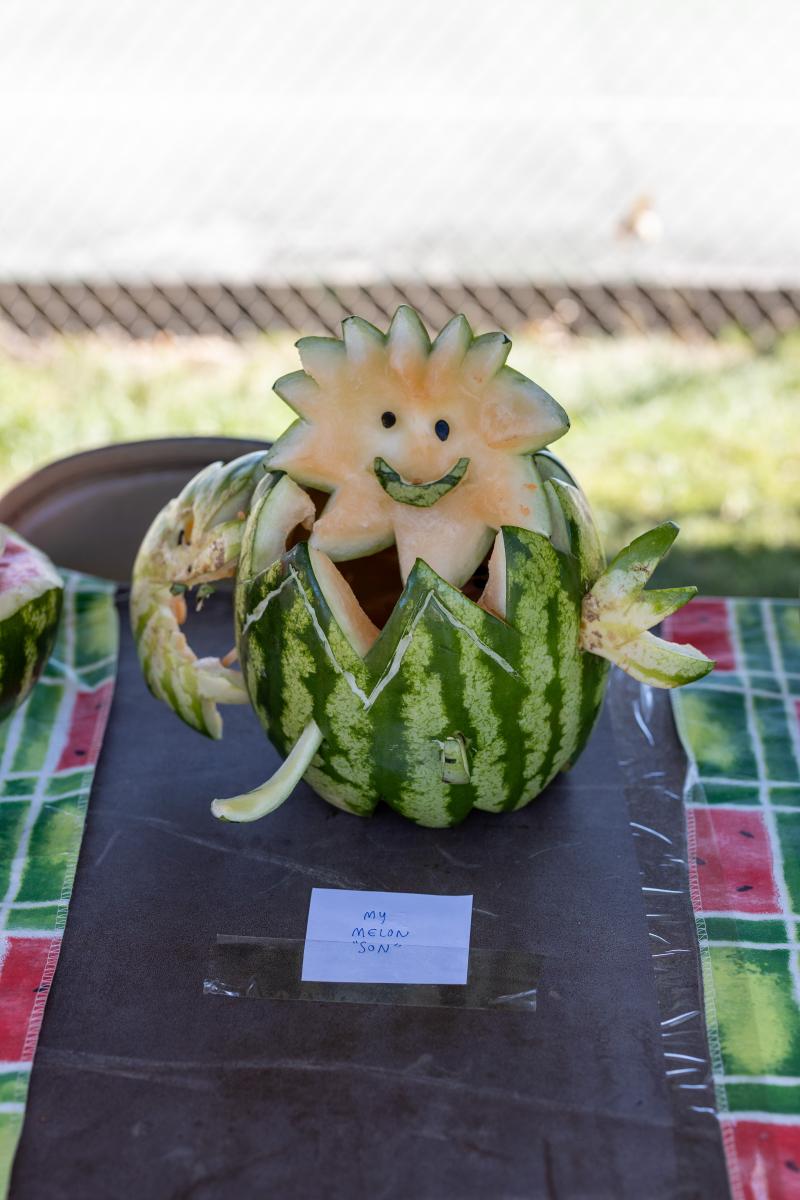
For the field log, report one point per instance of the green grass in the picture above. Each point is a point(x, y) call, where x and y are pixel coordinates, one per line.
point(708, 435)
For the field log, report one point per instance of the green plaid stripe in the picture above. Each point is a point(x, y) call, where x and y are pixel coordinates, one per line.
point(42, 810)
point(741, 730)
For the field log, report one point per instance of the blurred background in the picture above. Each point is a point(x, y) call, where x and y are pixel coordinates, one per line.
point(186, 188)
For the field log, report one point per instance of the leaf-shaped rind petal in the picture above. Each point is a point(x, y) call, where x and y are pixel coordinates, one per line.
point(617, 612)
point(662, 664)
point(631, 568)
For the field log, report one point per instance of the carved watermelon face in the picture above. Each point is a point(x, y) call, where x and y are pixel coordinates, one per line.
point(426, 446)
point(30, 605)
point(449, 706)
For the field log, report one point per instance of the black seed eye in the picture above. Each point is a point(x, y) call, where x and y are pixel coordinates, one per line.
point(388, 419)
point(442, 430)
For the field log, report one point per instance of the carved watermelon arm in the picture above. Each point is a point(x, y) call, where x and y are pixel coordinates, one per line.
point(263, 800)
point(617, 613)
point(196, 539)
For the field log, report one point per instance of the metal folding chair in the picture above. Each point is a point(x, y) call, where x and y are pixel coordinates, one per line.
point(90, 511)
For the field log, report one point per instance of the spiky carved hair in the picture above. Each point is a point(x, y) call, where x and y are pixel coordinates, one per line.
point(441, 498)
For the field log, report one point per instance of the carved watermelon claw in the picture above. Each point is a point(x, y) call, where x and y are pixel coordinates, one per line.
point(194, 541)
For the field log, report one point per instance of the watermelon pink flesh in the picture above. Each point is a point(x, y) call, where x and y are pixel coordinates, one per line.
point(20, 570)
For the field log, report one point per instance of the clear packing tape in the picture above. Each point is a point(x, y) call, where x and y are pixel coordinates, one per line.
point(654, 770)
point(263, 968)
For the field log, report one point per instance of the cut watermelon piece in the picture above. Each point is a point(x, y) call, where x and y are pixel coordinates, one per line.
point(31, 592)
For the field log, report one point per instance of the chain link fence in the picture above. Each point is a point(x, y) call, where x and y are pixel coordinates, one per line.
point(200, 168)
point(241, 310)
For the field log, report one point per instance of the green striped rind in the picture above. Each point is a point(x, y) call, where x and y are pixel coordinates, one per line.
point(195, 539)
point(443, 672)
point(275, 507)
point(584, 538)
point(421, 495)
point(296, 662)
point(586, 547)
point(169, 664)
point(246, 568)
point(543, 604)
point(442, 669)
point(384, 717)
point(422, 581)
point(218, 493)
point(37, 577)
point(247, 595)
point(663, 664)
point(458, 675)
point(27, 637)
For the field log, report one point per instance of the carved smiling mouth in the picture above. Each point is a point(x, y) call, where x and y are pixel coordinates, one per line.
point(421, 495)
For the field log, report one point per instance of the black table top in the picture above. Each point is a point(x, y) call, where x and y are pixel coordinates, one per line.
point(145, 1086)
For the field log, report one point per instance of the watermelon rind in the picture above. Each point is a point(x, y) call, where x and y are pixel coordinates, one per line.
point(195, 539)
point(30, 608)
point(450, 708)
point(263, 800)
point(454, 704)
point(419, 495)
point(617, 615)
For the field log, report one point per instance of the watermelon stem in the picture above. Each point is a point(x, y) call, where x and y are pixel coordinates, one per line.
point(250, 806)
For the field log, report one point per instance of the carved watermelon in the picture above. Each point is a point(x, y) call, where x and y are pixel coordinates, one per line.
point(483, 675)
point(30, 605)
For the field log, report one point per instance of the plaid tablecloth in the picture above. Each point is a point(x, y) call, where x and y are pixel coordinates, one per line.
point(741, 729)
point(48, 751)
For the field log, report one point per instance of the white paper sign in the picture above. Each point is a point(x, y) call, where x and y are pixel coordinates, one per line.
point(386, 937)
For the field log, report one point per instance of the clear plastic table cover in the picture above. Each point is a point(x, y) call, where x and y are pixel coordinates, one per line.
point(643, 726)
